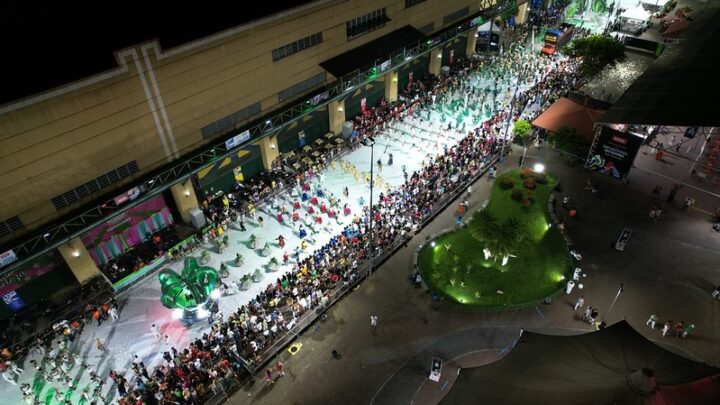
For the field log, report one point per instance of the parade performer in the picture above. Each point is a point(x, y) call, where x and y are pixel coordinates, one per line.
point(281, 241)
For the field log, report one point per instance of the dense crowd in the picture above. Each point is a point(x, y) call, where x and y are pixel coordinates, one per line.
point(240, 340)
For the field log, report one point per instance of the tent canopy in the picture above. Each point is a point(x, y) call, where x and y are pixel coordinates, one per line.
point(613, 365)
point(680, 87)
point(566, 112)
point(636, 13)
point(675, 29)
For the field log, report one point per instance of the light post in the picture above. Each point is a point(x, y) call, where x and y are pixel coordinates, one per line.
point(507, 126)
point(370, 141)
point(620, 290)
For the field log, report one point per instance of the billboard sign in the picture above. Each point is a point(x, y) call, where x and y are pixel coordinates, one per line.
point(613, 152)
point(7, 258)
point(13, 301)
point(237, 139)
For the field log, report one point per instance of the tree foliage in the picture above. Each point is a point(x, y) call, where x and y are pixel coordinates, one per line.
point(501, 239)
point(522, 130)
point(505, 238)
point(483, 225)
point(596, 53)
point(566, 139)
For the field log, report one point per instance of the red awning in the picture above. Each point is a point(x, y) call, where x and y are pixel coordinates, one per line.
point(566, 112)
point(676, 29)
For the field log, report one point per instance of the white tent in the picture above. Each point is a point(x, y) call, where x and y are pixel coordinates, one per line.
point(637, 13)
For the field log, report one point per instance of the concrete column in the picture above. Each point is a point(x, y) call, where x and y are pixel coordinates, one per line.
point(391, 86)
point(268, 150)
point(185, 199)
point(522, 14)
point(79, 260)
point(336, 115)
point(435, 61)
point(471, 42)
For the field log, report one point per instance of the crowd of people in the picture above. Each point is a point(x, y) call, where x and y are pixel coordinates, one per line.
point(242, 340)
point(243, 337)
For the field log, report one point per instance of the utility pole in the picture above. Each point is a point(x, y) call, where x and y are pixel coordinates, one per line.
point(507, 125)
point(370, 141)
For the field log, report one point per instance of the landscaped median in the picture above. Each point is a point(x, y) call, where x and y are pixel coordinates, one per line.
point(465, 266)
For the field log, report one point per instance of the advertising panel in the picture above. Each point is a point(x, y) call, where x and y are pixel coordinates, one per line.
point(613, 152)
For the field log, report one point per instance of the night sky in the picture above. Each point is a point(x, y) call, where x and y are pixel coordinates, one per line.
point(47, 45)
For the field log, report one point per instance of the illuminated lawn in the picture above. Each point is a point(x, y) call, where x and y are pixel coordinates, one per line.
point(456, 267)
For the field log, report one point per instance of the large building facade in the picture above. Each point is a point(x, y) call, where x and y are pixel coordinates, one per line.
point(92, 139)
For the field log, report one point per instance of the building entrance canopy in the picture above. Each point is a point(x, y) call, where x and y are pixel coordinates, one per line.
point(374, 52)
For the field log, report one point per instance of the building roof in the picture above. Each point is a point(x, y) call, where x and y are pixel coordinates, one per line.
point(676, 28)
point(615, 365)
point(566, 112)
point(49, 44)
point(365, 56)
point(681, 87)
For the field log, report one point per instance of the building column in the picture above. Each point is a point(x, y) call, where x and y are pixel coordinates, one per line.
point(391, 86)
point(435, 61)
point(185, 199)
point(522, 14)
point(79, 261)
point(471, 42)
point(268, 150)
point(336, 115)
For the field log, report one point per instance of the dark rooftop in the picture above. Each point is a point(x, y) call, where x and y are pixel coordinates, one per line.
point(49, 44)
point(379, 50)
point(682, 86)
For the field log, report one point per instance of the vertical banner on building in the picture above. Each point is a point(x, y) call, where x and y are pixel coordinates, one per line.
point(7, 258)
point(301, 138)
point(363, 104)
point(13, 301)
point(237, 172)
point(613, 152)
point(452, 56)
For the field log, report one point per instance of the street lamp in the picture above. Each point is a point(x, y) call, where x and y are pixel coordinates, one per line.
point(507, 125)
point(620, 290)
point(370, 142)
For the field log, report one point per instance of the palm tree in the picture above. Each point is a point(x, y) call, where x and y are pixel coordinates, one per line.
point(483, 225)
point(506, 239)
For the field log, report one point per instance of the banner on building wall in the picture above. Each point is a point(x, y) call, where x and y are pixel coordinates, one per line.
point(237, 139)
point(13, 301)
point(237, 172)
point(7, 258)
point(613, 152)
point(452, 56)
point(118, 235)
point(28, 271)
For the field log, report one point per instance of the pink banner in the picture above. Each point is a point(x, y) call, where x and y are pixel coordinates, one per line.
point(126, 230)
point(17, 278)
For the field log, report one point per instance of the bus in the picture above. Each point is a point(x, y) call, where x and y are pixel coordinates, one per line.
point(556, 38)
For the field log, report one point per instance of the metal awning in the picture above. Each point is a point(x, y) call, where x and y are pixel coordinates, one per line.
point(372, 53)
